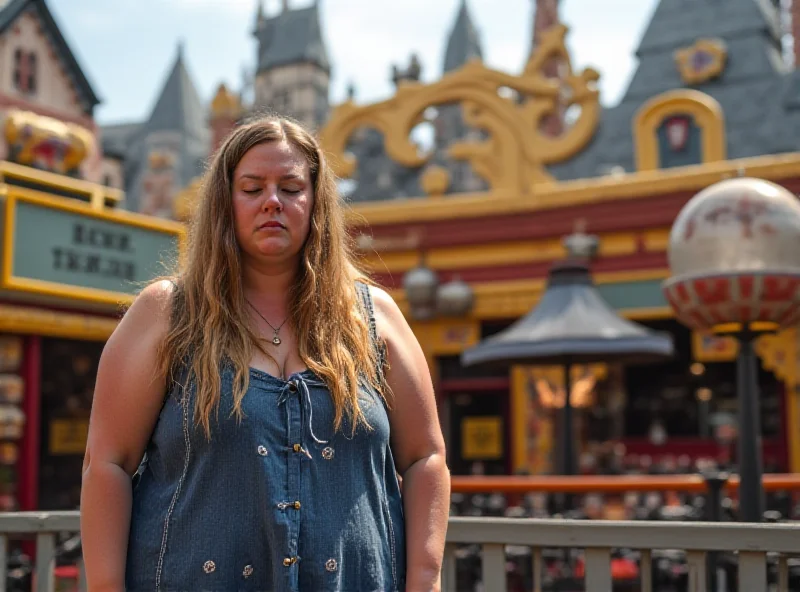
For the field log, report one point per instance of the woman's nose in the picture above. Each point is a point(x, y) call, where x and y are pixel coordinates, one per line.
point(271, 200)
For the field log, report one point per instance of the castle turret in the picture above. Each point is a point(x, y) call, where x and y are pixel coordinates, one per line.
point(293, 68)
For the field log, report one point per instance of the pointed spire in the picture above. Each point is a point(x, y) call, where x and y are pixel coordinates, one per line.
point(464, 43)
point(178, 106)
point(285, 5)
point(181, 46)
point(545, 17)
point(261, 18)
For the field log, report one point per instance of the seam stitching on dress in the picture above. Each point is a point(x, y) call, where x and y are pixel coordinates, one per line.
point(392, 542)
point(187, 449)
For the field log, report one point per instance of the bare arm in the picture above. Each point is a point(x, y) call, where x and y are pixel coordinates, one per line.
point(127, 399)
point(418, 448)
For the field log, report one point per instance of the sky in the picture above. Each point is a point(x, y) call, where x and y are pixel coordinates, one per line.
point(127, 47)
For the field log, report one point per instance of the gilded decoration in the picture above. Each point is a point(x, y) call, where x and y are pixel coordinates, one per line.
point(46, 143)
point(435, 181)
point(702, 61)
point(510, 109)
point(778, 352)
point(225, 104)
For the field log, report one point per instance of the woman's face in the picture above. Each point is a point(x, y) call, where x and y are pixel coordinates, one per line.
point(272, 201)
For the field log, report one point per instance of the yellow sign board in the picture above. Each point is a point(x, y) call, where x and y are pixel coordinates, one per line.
point(481, 438)
point(707, 347)
point(68, 436)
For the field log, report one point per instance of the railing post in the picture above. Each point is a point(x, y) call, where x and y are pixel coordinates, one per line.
point(45, 561)
point(3, 560)
point(716, 484)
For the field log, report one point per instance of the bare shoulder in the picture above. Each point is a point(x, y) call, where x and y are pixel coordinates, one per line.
point(130, 387)
point(385, 305)
point(415, 423)
point(154, 301)
point(390, 320)
point(144, 325)
point(150, 311)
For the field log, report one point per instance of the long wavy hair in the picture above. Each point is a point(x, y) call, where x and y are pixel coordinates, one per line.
point(210, 325)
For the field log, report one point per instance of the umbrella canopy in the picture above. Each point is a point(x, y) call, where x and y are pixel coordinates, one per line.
point(571, 324)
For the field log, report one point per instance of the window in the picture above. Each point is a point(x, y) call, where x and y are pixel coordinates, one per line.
point(25, 71)
point(32, 73)
point(18, 68)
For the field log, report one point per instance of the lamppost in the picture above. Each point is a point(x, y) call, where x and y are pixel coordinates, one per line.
point(428, 298)
point(734, 255)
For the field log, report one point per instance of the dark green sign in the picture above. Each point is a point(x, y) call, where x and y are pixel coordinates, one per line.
point(68, 248)
point(630, 295)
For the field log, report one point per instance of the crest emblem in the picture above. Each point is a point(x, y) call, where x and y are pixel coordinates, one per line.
point(677, 132)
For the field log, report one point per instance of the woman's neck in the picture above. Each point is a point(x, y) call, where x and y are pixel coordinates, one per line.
point(268, 287)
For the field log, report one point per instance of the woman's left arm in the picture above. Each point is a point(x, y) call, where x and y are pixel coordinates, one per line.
point(417, 445)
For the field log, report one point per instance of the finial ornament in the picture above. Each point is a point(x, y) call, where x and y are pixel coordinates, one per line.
point(579, 244)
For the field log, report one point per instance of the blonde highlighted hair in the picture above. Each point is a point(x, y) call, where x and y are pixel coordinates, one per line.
point(210, 325)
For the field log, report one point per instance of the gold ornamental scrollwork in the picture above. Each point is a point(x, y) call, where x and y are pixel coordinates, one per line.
point(510, 109)
point(779, 353)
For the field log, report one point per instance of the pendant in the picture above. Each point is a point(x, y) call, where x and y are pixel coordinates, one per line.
point(276, 340)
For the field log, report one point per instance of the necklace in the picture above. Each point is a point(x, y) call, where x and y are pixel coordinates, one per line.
point(276, 341)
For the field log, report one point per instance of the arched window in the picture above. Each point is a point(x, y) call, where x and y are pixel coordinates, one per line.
point(679, 128)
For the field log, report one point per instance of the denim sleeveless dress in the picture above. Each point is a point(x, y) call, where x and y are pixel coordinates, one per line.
point(276, 502)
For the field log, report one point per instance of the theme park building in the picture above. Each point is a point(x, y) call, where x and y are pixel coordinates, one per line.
point(462, 232)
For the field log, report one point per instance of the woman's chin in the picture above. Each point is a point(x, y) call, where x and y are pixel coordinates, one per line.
point(272, 250)
point(272, 246)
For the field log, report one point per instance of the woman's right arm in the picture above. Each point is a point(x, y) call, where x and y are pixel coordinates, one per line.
point(128, 396)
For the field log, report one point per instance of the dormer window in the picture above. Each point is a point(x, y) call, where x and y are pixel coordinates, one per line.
point(25, 71)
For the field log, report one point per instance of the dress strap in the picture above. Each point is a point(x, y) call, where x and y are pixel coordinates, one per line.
point(369, 309)
point(369, 312)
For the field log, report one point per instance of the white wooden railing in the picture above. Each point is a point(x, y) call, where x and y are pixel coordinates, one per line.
point(752, 543)
point(44, 527)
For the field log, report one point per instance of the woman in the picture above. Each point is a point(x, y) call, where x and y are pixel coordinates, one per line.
point(277, 398)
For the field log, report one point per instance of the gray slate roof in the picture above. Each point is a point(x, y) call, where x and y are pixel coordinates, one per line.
point(117, 137)
point(9, 14)
point(755, 91)
point(464, 42)
point(179, 107)
point(292, 37)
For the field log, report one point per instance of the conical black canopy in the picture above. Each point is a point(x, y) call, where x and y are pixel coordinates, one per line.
point(571, 324)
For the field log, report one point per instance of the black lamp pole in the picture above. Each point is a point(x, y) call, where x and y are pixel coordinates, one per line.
point(751, 489)
point(567, 426)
